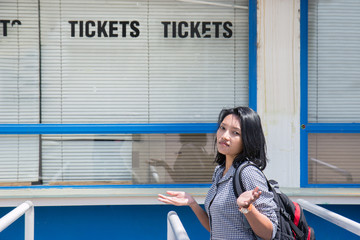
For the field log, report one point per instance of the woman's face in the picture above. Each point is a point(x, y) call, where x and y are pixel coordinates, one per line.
point(229, 141)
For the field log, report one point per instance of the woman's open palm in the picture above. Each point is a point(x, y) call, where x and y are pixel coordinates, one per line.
point(248, 197)
point(177, 198)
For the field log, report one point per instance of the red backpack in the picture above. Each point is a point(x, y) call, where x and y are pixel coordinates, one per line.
point(291, 219)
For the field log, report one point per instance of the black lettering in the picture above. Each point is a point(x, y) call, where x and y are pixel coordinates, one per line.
point(227, 28)
point(181, 33)
point(72, 24)
point(89, 33)
point(15, 21)
point(133, 26)
point(4, 22)
point(205, 29)
point(124, 23)
point(101, 29)
point(174, 29)
point(81, 28)
point(112, 28)
point(166, 25)
point(194, 29)
point(217, 27)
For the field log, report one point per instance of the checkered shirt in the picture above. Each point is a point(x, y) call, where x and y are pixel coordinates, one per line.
point(226, 221)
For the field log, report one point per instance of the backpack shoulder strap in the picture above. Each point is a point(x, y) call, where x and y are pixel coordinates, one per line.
point(237, 183)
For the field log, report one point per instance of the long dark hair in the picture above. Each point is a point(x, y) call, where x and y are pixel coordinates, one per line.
point(254, 145)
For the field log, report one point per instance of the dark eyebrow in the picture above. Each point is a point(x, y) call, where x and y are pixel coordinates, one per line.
point(235, 128)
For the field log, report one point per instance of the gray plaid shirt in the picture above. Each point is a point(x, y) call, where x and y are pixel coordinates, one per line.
point(226, 221)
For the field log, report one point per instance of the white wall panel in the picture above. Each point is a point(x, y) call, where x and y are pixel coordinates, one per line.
point(279, 87)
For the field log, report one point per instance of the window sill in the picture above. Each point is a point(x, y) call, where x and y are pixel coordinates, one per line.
point(148, 196)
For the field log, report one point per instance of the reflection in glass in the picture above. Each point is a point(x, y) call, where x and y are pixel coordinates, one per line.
point(114, 159)
point(126, 159)
point(193, 162)
point(86, 159)
point(334, 158)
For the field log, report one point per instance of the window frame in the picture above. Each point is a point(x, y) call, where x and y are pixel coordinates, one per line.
point(305, 126)
point(150, 128)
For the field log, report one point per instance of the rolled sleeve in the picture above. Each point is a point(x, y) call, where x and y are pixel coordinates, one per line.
point(252, 177)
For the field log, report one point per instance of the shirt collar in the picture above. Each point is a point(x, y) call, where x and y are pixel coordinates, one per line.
point(229, 174)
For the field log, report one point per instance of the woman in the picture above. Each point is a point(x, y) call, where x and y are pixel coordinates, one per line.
point(239, 138)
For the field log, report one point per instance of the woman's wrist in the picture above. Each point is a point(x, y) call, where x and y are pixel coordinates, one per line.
point(246, 210)
point(192, 203)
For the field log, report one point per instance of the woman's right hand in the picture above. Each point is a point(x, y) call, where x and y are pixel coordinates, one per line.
point(177, 198)
point(248, 197)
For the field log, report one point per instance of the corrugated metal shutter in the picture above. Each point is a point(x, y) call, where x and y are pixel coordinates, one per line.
point(145, 78)
point(334, 60)
point(19, 88)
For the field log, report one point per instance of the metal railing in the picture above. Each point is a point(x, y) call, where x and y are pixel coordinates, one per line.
point(175, 229)
point(26, 208)
point(330, 216)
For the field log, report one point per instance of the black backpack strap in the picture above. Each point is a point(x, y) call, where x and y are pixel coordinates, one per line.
point(237, 183)
point(293, 226)
point(274, 188)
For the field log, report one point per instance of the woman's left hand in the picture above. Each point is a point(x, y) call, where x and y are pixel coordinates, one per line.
point(248, 197)
point(177, 198)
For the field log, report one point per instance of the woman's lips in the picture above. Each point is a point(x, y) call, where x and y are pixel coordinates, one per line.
point(224, 143)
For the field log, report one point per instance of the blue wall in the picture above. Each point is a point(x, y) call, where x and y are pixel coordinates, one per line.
point(103, 223)
point(140, 222)
point(326, 230)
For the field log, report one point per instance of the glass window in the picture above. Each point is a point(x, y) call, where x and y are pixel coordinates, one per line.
point(334, 158)
point(127, 159)
point(333, 100)
point(156, 61)
point(19, 90)
point(118, 62)
point(19, 159)
point(75, 159)
point(19, 62)
point(333, 61)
